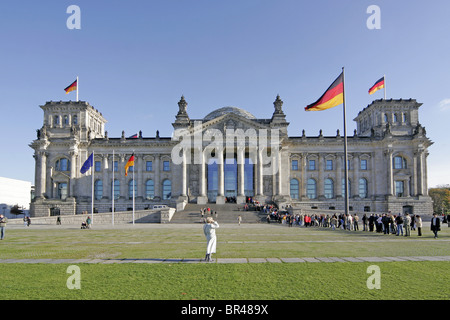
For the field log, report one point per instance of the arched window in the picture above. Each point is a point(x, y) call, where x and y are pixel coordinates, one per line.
point(363, 188)
point(399, 162)
point(294, 189)
point(130, 188)
point(98, 189)
point(329, 188)
point(66, 120)
point(167, 190)
point(149, 189)
point(116, 189)
point(56, 121)
point(75, 120)
point(311, 189)
point(349, 187)
point(62, 164)
point(386, 120)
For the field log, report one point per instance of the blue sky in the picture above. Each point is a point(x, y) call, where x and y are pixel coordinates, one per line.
point(135, 59)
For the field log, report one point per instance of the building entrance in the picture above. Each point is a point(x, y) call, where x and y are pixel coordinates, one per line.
point(231, 181)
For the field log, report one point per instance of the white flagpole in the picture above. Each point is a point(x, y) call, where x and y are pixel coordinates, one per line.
point(112, 189)
point(134, 166)
point(78, 85)
point(92, 191)
point(345, 147)
point(384, 87)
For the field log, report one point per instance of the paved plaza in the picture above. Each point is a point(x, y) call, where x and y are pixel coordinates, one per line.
point(232, 260)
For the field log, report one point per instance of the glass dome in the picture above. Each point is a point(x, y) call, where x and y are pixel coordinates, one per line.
point(219, 112)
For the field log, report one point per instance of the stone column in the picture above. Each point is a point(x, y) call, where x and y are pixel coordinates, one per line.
point(259, 173)
point(338, 184)
point(356, 164)
point(220, 199)
point(425, 175)
point(157, 181)
point(414, 176)
point(241, 175)
point(139, 176)
point(279, 180)
point(390, 182)
point(40, 173)
point(304, 180)
point(106, 185)
point(202, 197)
point(123, 178)
point(320, 183)
point(73, 173)
point(184, 175)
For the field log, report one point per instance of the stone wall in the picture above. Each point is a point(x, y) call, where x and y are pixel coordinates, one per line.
point(144, 216)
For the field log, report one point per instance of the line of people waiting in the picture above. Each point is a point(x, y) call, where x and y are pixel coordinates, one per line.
point(385, 223)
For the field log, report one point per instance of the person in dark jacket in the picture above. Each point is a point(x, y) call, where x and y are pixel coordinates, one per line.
point(435, 225)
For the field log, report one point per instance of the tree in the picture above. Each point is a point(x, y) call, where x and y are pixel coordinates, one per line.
point(441, 198)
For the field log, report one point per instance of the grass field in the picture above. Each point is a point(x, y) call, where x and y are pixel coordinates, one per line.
point(183, 281)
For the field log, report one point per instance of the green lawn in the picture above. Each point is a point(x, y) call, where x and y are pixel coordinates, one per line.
point(183, 281)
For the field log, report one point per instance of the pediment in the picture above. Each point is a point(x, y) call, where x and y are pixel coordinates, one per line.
point(230, 121)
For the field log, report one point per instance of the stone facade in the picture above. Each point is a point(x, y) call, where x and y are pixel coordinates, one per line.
point(232, 155)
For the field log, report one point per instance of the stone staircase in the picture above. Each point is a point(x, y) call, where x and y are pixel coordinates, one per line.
point(226, 213)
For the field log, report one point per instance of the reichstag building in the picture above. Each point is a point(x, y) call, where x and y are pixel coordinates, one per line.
point(200, 163)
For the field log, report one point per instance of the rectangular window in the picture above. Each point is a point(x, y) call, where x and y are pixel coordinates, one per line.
point(399, 188)
point(363, 164)
point(166, 166)
point(116, 166)
point(294, 164)
point(312, 165)
point(98, 166)
point(149, 166)
point(329, 165)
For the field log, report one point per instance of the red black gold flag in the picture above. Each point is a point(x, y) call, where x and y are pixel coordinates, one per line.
point(72, 87)
point(333, 97)
point(377, 86)
point(130, 163)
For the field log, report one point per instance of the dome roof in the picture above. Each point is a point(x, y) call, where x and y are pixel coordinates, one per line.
point(220, 112)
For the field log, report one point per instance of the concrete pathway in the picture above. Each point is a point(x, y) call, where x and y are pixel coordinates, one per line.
point(233, 260)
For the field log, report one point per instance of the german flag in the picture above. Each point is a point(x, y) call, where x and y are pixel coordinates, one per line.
point(377, 86)
point(72, 87)
point(333, 97)
point(130, 163)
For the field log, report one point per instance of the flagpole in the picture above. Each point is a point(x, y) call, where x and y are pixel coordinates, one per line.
point(78, 84)
point(112, 210)
point(92, 187)
point(345, 146)
point(384, 76)
point(134, 182)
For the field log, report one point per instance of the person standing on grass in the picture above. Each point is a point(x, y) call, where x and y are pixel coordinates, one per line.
point(407, 225)
point(3, 221)
point(435, 225)
point(399, 222)
point(418, 221)
point(209, 229)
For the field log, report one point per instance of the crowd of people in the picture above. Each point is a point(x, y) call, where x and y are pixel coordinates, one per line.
point(386, 223)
